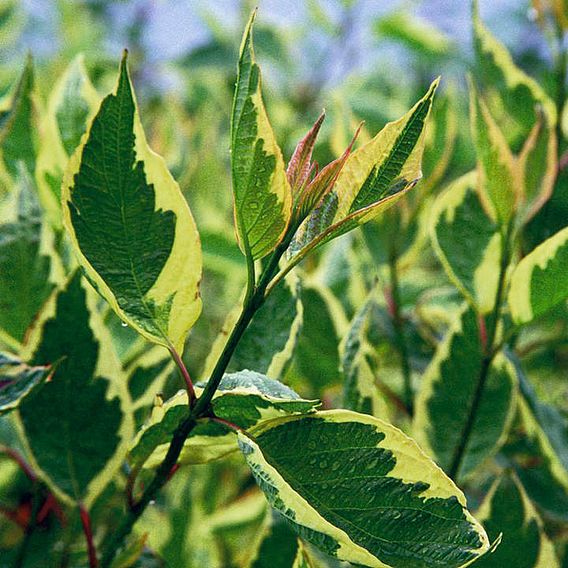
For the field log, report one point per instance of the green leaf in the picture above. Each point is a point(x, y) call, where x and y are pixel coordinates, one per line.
point(362, 491)
point(238, 525)
point(539, 166)
point(130, 225)
point(538, 449)
point(178, 527)
point(373, 178)
point(74, 101)
point(508, 510)
point(245, 399)
point(280, 547)
point(267, 345)
point(18, 127)
point(498, 173)
point(441, 139)
point(360, 393)
point(539, 281)
point(262, 194)
point(77, 425)
point(147, 377)
point(447, 395)
point(526, 115)
point(72, 104)
point(29, 267)
point(468, 243)
point(316, 356)
point(511, 92)
point(415, 33)
point(17, 380)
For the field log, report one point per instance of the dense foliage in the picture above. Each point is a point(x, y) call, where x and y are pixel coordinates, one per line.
point(357, 363)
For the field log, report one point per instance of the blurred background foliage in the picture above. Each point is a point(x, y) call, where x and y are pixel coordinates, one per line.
point(361, 60)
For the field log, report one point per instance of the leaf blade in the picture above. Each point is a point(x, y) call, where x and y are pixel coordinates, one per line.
point(467, 242)
point(539, 281)
point(58, 418)
point(279, 456)
point(130, 225)
point(447, 394)
point(262, 194)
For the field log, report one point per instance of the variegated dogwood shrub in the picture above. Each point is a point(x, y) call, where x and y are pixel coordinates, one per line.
point(418, 386)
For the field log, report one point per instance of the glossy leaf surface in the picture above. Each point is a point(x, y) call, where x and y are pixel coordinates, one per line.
point(262, 194)
point(362, 491)
point(130, 224)
point(244, 399)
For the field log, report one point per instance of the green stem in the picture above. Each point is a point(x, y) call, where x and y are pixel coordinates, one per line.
point(489, 353)
point(400, 339)
point(252, 303)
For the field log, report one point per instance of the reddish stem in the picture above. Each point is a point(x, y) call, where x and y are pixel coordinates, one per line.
point(16, 457)
point(185, 374)
point(87, 529)
point(175, 467)
point(392, 396)
point(16, 516)
point(51, 505)
point(482, 333)
point(226, 423)
point(563, 162)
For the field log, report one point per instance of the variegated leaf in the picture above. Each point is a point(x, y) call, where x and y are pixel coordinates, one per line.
point(441, 137)
point(244, 399)
point(498, 180)
point(83, 412)
point(72, 104)
point(267, 346)
point(446, 398)
point(147, 376)
point(130, 225)
point(507, 510)
point(510, 91)
point(373, 178)
point(19, 129)
point(362, 491)
point(360, 393)
point(525, 113)
point(538, 164)
point(539, 281)
point(17, 380)
point(180, 528)
point(467, 242)
point(262, 194)
point(316, 357)
point(29, 267)
point(280, 546)
point(538, 450)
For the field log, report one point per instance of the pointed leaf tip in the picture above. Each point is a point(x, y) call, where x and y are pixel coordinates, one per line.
point(300, 165)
